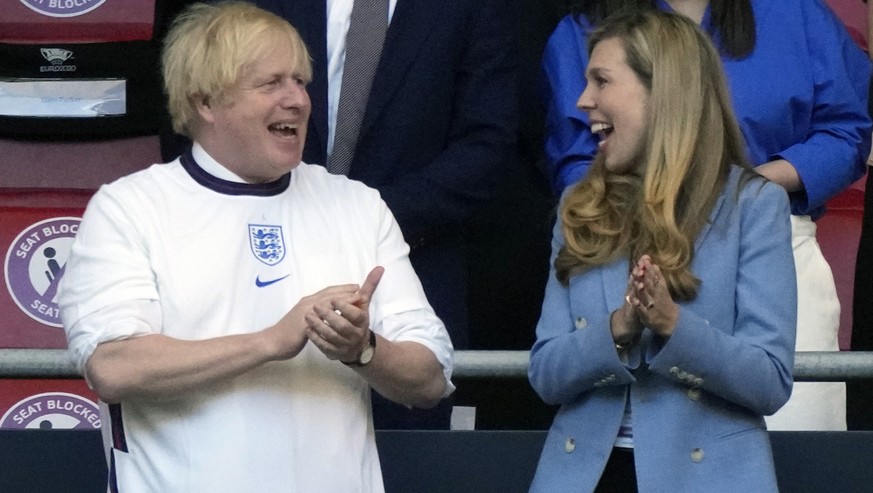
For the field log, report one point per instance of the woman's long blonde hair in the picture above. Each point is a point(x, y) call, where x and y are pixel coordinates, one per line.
point(692, 141)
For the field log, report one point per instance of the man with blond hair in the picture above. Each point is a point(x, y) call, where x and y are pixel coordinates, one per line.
point(212, 302)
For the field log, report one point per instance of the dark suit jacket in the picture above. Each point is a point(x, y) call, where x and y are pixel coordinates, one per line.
point(438, 130)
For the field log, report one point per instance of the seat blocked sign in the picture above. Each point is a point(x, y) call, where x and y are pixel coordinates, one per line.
point(35, 240)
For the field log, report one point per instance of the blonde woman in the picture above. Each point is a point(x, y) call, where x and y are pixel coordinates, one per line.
point(668, 326)
point(799, 89)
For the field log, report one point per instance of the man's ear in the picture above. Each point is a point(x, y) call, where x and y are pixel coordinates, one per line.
point(204, 107)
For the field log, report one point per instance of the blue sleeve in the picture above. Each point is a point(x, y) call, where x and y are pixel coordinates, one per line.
point(573, 356)
point(833, 155)
point(569, 144)
point(759, 347)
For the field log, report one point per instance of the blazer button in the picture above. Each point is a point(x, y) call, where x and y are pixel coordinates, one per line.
point(570, 445)
point(694, 394)
point(697, 455)
point(581, 323)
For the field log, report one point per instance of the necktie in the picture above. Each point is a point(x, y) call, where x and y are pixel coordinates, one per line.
point(368, 24)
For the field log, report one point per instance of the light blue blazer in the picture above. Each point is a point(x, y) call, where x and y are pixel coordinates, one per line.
point(698, 397)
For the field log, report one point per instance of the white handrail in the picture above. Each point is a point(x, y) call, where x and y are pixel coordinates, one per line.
point(824, 366)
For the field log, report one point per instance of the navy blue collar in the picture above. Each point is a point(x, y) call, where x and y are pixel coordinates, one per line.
point(229, 187)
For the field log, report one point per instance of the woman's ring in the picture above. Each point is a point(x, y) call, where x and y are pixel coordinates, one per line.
point(627, 299)
point(650, 304)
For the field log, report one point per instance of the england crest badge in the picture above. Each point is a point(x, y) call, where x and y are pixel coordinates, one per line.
point(267, 243)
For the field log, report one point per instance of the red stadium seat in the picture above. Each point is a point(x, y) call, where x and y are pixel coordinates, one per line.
point(36, 229)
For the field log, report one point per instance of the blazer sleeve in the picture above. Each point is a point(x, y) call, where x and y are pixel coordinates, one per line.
point(574, 355)
point(751, 363)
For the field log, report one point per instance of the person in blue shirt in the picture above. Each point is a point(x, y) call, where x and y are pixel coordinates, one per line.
point(799, 90)
point(667, 329)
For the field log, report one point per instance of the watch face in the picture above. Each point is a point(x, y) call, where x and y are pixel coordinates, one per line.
point(367, 355)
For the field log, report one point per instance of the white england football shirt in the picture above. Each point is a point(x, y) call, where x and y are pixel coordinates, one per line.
point(177, 250)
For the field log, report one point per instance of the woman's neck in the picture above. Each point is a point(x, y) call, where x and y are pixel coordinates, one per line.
point(693, 9)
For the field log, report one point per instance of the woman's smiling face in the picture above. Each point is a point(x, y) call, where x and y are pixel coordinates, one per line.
point(617, 104)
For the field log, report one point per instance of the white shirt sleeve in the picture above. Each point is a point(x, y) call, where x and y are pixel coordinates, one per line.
point(424, 327)
point(115, 322)
point(400, 309)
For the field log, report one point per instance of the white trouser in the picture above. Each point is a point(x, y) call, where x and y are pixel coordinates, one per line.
point(813, 405)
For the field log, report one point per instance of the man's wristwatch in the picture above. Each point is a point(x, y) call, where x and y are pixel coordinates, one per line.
point(366, 355)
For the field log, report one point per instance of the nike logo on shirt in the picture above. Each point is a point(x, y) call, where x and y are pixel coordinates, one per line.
point(261, 284)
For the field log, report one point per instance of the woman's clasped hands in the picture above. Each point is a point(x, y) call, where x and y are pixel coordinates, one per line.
point(648, 303)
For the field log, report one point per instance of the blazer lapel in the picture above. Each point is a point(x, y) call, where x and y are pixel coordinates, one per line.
point(614, 277)
point(730, 187)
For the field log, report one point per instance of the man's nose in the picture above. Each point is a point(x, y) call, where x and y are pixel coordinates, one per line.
point(295, 95)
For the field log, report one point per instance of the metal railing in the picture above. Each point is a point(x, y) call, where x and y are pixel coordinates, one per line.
point(812, 366)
